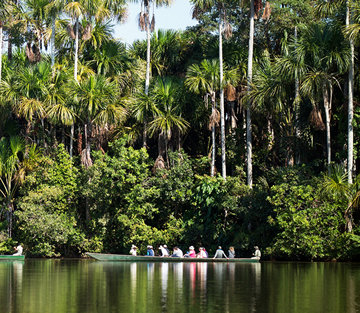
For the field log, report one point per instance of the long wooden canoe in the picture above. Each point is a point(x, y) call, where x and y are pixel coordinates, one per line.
point(130, 258)
point(12, 257)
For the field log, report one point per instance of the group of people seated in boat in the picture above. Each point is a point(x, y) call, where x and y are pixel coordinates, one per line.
point(191, 253)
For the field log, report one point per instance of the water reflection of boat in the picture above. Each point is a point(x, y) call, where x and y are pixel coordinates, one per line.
point(12, 257)
point(130, 258)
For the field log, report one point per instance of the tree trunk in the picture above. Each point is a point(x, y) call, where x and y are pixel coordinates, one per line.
point(222, 109)
point(76, 56)
point(53, 43)
point(297, 112)
point(147, 74)
point(248, 110)
point(63, 136)
point(1, 45)
point(350, 161)
point(76, 52)
point(271, 133)
point(213, 139)
point(233, 118)
point(162, 146)
point(9, 48)
point(86, 153)
point(10, 210)
point(145, 133)
point(71, 144)
point(327, 123)
point(147, 77)
point(178, 140)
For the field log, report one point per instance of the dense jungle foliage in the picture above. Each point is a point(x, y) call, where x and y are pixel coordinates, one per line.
point(242, 130)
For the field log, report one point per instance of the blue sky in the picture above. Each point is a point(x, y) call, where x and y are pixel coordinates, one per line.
point(177, 17)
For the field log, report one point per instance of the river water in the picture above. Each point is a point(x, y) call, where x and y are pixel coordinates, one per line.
point(65, 286)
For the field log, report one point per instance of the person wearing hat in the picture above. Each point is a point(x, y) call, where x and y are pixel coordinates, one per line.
point(166, 248)
point(133, 251)
point(257, 253)
point(219, 254)
point(191, 253)
point(164, 252)
point(150, 251)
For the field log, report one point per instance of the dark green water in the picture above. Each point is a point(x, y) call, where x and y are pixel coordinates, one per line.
point(38, 286)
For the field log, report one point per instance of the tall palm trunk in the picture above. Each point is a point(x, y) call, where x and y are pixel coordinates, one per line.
point(76, 57)
point(76, 48)
point(1, 45)
point(53, 43)
point(327, 123)
point(350, 160)
point(87, 162)
point(297, 112)
point(222, 109)
point(10, 212)
point(86, 153)
point(213, 139)
point(147, 77)
point(9, 47)
point(248, 110)
point(147, 74)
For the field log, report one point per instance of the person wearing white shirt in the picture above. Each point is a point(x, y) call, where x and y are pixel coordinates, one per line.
point(19, 250)
point(164, 251)
point(133, 250)
point(177, 253)
point(257, 253)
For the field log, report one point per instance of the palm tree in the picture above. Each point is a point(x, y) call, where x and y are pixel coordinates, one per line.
point(353, 31)
point(323, 48)
point(270, 93)
point(248, 109)
point(53, 10)
point(112, 60)
point(148, 26)
point(166, 46)
point(90, 10)
point(57, 103)
point(30, 85)
point(204, 79)
point(98, 104)
point(325, 9)
point(31, 19)
point(12, 171)
point(13, 10)
point(201, 7)
point(76, 10)
point(167, 113)
point(9, 165)
point(142, 107)
point(3, 16)
point(289, 16)
point(336, 187)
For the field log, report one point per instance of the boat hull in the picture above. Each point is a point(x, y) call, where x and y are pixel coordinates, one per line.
point(130, 258)
point(12, 257)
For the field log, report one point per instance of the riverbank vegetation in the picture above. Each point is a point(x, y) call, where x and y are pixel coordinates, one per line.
point(242, 130)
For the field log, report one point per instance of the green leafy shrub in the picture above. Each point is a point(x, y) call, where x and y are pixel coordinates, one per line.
point(308, 228)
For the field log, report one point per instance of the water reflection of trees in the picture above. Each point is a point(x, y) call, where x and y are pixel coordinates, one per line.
point(11, 275)
point(78, 286)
